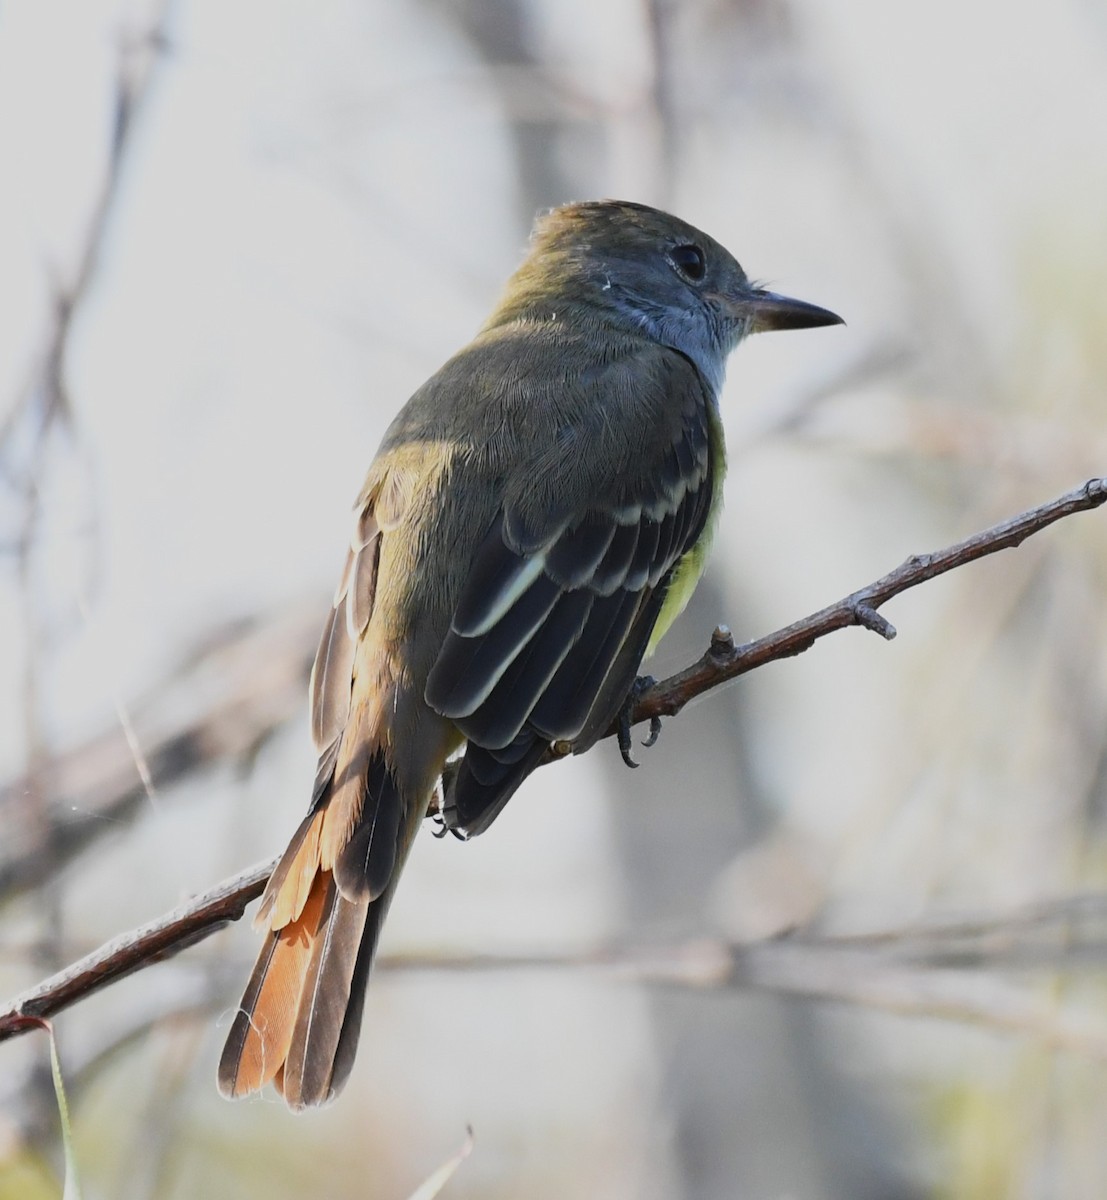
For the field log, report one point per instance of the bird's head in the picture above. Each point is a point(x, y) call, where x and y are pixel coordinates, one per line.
point(616, 262)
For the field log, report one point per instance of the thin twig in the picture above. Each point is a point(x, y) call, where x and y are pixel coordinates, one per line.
point(724, 661)
point(168, 935)
point(214, 909)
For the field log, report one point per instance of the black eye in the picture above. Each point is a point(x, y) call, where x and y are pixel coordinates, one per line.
point(689, 261)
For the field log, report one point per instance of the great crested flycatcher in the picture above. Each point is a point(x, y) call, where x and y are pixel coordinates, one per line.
point(536, 516)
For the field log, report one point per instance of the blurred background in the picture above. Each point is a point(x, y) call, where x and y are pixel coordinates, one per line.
point(233, 239)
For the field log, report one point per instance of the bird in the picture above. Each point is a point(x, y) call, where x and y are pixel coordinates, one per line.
point(537, 515)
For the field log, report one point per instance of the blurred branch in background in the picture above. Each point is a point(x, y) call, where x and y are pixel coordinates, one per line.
point(39, 444)
point(241, 687)
point(264, 671)
point(931, 970)
point(42, 411)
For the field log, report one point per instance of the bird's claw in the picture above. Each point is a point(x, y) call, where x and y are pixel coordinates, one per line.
point(445, 821)
point(654, 734)
point(641, 685)
point(445, 818)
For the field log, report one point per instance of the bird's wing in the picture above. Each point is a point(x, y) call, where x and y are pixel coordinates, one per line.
point(353, 605)
point(548, 639)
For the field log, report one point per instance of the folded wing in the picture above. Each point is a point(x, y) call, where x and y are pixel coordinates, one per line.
point(544, 645)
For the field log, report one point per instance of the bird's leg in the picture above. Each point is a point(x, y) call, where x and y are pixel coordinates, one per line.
point(445, 816)
point(638, 688)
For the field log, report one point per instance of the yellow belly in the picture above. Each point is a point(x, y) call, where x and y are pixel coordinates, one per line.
point(687, 572)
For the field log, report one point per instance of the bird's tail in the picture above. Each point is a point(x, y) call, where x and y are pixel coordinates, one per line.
point(298, 1023)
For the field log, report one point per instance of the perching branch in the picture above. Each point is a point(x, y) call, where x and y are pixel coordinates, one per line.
point(723, 661)
point(168, 935)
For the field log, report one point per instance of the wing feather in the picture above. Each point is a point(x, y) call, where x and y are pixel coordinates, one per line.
point(647, 552)
point(498, 721)
point(612, 570)
point(332, 671)
point(330, 680)
point(563, 708)
point(574, 557)
point(503, 578)
point(468, 668)
point(538, 655)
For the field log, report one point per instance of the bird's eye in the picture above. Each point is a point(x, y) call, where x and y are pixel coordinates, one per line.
point(689, 261)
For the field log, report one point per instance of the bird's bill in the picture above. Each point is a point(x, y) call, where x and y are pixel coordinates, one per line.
point(767, 310)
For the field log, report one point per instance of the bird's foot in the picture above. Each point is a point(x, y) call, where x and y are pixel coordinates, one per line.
point(445, 821)
point(445, 816)
point(638, 688)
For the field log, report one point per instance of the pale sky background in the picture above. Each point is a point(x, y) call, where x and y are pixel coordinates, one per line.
point(319, 204)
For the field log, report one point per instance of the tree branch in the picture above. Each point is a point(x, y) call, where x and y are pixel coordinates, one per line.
point(168, 935)
point(723, 661)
